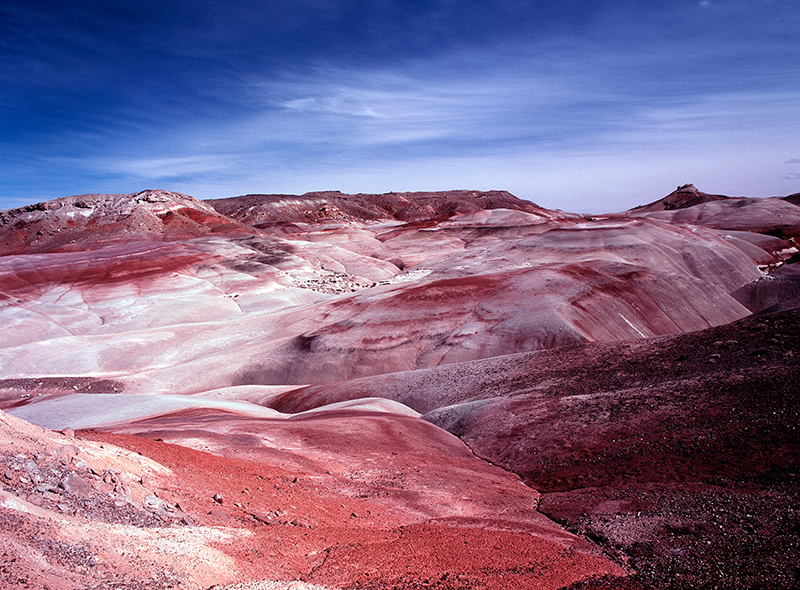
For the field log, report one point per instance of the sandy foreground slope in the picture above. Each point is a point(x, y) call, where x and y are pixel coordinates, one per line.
point(81, 512)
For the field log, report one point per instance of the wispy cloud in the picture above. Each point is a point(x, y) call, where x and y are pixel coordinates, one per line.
point(340, 104)
point(555, 101)
point(165, 168)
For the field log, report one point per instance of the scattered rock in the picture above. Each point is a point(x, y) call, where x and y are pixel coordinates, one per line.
point(74, 485)
point(111, 476)
point(152, 503)
point(66, 453)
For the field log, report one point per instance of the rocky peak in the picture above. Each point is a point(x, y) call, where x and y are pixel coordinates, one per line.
point(683, 197)
point(147, 214)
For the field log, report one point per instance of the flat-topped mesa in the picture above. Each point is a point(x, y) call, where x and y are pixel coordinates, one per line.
point(72, 222)
point(681, 198)
point(333, 205)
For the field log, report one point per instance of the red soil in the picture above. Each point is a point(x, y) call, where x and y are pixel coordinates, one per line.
point(133, 262)
point(308, 531)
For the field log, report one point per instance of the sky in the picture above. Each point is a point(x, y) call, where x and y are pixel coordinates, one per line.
point(586, 106)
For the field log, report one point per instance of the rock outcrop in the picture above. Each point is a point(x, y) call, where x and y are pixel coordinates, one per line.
point(682, 197)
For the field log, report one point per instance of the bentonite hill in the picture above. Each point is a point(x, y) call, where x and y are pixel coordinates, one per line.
point(447, 390)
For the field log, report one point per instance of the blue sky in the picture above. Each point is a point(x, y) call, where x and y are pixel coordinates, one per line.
point(581, 106)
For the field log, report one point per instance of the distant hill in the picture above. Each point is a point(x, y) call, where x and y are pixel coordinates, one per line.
point(329, 205)
point(681, 198)
point(69, 223)
point(793, 199)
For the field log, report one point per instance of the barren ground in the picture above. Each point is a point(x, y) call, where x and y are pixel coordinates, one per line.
point(448, 391)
